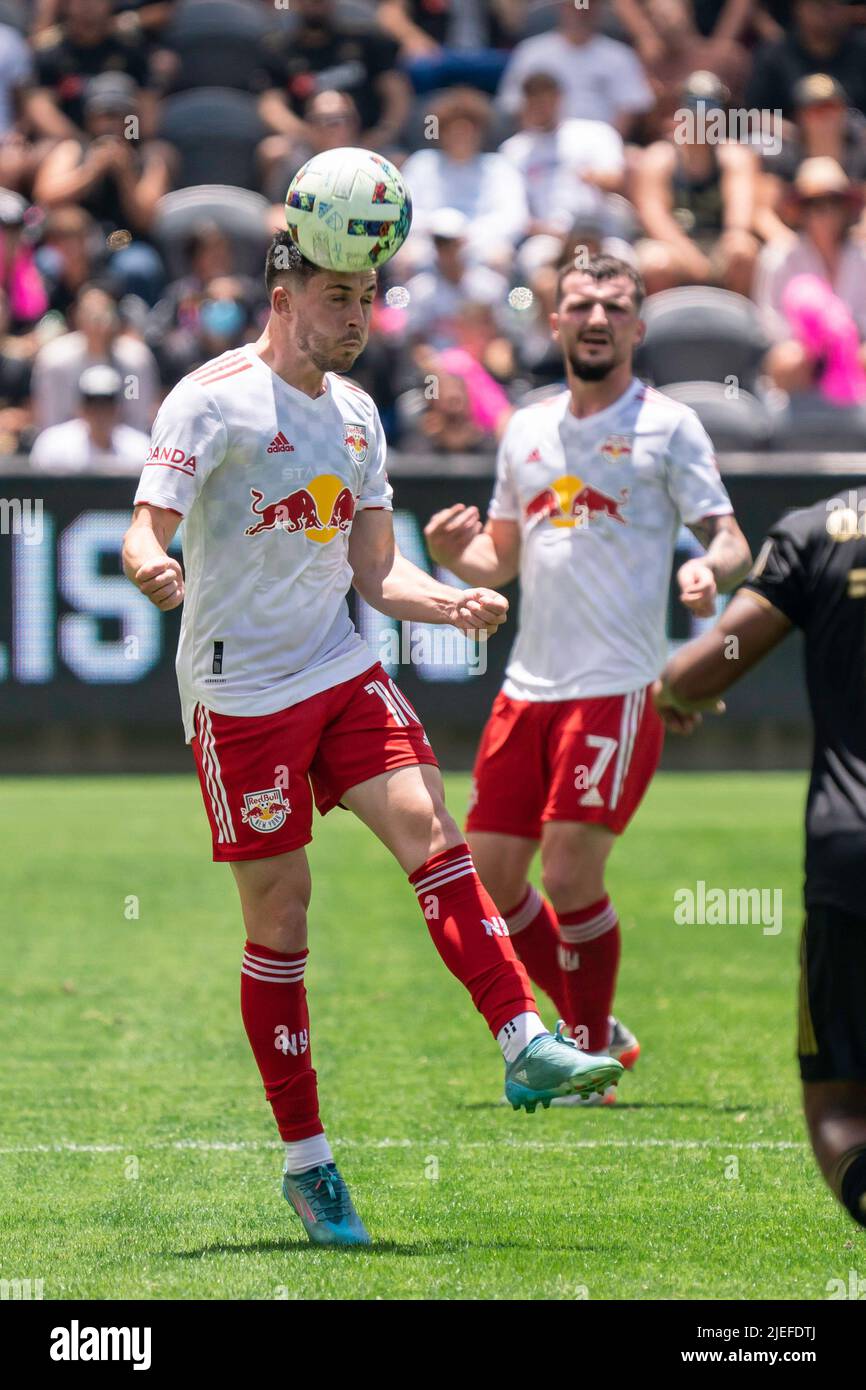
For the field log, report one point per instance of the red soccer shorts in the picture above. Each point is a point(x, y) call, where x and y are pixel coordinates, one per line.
point(576, 760)
point(259, 773)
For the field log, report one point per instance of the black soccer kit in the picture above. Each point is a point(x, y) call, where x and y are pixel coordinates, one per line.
point(812, 568)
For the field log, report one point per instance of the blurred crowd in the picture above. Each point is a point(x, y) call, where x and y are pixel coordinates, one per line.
point(146, 149)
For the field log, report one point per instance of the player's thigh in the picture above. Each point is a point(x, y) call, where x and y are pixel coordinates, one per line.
point(372, 730)
point(831, 1034)
point(573, 859)
point(503, 863)
point(375, 759)
point(406, 809)
point(275, 894)
point(510, 776)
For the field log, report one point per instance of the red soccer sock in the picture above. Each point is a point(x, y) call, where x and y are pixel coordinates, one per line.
point(471, 937)
point(589, 959)
point(535, 937)
point(274, 1010)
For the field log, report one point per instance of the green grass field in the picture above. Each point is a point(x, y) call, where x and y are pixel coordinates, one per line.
point(139, 1158)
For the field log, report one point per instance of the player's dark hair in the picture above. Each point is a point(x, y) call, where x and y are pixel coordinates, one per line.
point(286, 262)
point(600, 268)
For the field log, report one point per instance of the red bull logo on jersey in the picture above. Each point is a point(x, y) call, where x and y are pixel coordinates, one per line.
point(568, 501)
point(616, 448)
point(265, 811)
point(355, 440)
point(322, 509)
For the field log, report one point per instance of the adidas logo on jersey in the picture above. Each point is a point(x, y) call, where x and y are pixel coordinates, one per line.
point(534, 456)
point(280, 445)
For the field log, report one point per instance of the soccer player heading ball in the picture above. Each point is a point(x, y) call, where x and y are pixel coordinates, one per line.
point(277, 465)
point(591, 488)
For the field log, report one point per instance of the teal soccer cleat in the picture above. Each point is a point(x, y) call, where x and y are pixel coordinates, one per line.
point(553, 1065)
point(322, 1201)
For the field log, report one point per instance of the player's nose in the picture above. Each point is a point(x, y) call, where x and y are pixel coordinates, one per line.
point(355, 316)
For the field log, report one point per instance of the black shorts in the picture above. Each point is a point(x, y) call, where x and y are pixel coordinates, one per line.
point(832, 1014)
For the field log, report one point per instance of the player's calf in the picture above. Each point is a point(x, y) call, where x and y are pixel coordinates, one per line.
point(836, 1118)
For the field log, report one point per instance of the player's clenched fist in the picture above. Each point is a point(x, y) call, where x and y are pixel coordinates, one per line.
point(448, 532)
point(161, 581)
point(479, 610)
point(697, 588)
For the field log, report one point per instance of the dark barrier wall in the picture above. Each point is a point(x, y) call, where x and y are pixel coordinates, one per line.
point(86, 663)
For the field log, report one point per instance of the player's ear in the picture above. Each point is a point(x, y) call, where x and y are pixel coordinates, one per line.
point(554, 326)
point(640, 332)
point(281, 300)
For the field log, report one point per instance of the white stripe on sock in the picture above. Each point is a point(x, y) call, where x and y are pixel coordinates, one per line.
point(459, 869)
point(526, 912)
point(587, 931)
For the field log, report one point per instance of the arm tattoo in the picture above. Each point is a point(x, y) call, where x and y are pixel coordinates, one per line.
point(727, 550)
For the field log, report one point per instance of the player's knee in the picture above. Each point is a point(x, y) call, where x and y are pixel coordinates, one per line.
point(565, 886)
point(445, 833)
point(835, 1113)
point(275, 914)
point(428, 826)
point(505, 884)
point(573, 880)
point(281, 926)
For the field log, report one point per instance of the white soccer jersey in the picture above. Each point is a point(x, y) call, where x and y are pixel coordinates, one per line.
point(268, 480)
point(599, 503)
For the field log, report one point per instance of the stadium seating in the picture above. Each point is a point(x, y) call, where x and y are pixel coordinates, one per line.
point(701, 334)
point(217, 43)
point(239, 213)
point(735, 424)
point(541, 15)
point(359, 15)
point(216, 131)
point(809, 422)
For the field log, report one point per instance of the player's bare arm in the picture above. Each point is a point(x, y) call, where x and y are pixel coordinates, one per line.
point(725, 564)
point(145, 559)
point(701, 671)
point(476, 554)
point(393, 585)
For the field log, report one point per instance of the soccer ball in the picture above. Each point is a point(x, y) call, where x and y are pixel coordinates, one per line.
point(348, 209)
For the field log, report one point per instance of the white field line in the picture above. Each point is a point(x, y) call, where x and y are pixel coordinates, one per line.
point(67, 1146)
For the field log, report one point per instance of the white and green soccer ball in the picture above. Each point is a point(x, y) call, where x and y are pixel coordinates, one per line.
point(348, 209)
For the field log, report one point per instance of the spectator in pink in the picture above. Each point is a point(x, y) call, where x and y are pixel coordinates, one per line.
point(825, 209)
point(489, 407)
point(25, 292)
